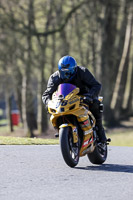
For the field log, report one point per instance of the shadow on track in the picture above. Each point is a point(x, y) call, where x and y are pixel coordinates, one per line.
point(109, 167)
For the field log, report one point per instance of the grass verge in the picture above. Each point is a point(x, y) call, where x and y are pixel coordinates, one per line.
point(117, 139)
point(27, 141)
point(124, 138)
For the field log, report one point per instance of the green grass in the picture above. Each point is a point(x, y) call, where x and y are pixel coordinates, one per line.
point(26, 141)
point(117, 139)
point(124, 138)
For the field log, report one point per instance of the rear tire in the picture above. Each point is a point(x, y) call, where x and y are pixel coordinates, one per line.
point(99, 155)
point(70, 151)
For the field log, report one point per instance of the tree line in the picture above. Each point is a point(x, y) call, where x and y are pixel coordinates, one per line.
point(35, 34)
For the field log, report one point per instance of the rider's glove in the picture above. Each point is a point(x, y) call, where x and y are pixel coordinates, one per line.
point(88, 99)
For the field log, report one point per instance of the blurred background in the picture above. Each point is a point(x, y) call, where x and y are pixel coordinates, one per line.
point(35, 34)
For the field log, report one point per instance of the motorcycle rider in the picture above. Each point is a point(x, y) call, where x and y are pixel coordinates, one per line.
point(70, 72)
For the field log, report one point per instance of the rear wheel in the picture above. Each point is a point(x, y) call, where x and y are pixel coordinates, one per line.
point(70, 150)
point(99, 155)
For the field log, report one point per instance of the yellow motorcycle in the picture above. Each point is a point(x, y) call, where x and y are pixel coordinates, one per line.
point(76, 126)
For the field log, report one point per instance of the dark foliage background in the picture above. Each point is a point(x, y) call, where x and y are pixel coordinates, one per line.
point(35, 34)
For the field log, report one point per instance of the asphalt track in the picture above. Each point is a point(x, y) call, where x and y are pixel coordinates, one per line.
point(40, 173)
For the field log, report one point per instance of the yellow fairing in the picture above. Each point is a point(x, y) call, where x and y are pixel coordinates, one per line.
point(71, 105)
point(68, 106)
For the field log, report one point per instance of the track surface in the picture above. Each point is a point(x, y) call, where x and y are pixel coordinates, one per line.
point(39, 173)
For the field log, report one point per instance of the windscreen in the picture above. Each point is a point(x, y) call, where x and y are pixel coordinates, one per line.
point(65, 88)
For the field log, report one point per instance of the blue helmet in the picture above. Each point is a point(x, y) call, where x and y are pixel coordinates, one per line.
point(67, 67)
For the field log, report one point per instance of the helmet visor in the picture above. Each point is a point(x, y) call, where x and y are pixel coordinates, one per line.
point(66, 73)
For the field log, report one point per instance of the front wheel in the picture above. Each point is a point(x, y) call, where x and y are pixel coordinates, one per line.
point(70, 150)
point(99, 155)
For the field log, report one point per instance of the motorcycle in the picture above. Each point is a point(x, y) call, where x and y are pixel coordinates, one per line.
point(75, 125)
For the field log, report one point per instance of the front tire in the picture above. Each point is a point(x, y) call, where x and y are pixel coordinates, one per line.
point(70, 151)
point(99, 155)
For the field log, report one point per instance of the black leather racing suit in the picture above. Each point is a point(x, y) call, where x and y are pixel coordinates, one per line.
point(88, 85)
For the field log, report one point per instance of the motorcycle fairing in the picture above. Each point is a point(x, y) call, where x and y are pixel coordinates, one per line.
point(66, 101)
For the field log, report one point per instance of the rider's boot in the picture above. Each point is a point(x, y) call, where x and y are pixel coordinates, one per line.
point(101, 131)
point(97, 111)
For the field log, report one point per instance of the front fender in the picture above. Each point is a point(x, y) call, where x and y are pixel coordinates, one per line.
point(66, 125)
point(74, 131)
